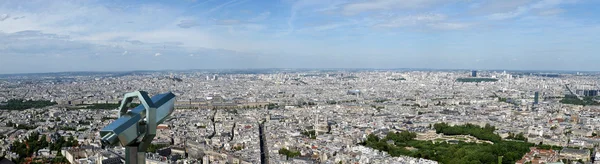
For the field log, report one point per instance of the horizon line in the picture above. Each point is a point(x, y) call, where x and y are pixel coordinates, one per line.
point(213, 69)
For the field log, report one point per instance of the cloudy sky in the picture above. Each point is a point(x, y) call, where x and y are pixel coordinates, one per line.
point(54, 36)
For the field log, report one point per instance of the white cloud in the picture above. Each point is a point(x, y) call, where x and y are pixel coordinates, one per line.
point(260, 17)
point(551, 12)
point(216, 8)
point(299, 6)
point(182, 38)
point(332, 26)
point(430, 21)
point(21, 17)
point(51, 52)
point(124, 53)
point(411, 20)
point(524, 9)
point(377, 5)
point(254, 27)
point(449, 26)
point(508, 15)
point(549, 3)
point(187, 23)
point(229, 22)
point(4, 17)
point(32, 43)
point(486, 7)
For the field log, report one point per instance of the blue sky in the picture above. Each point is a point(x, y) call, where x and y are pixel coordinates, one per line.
point(54, 36)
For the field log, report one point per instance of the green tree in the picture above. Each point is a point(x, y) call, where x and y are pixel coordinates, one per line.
point(451, 153)
point(289, 153)
point(20, 104)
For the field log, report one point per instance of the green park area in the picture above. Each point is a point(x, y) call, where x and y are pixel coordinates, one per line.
point(289, 153)
point(397, 79)
point(404, 144)
point(585, 101)
point(103, 106)
point(476, 80)
point(20, 104)
point(33, 143)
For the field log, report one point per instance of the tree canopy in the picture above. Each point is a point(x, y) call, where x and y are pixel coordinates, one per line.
point(34, 142)
point(519, 136)
point(586, 101)
point(483, 133)
point(476, 80)
point(20, 104)
point(404, 144)
point(289, 153)
point(108, 105)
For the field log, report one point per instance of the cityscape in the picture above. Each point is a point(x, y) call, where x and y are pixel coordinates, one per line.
point(299, 82)
point(311, 116)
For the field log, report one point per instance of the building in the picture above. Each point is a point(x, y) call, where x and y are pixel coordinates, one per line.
point(587, 92)
point(536, 98)
point(114, 160)
point(597, 155)
point(535, 131)
point(473, 73)
point(44, 152)
point(575, 154)
point(353, 92)
point(536, 156)
point(179, 150)
point(590, 93)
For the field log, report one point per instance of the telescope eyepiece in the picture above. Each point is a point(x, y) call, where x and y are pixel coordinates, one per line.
point(109, 139)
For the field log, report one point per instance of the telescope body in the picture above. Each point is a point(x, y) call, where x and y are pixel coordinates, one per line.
point(137, 127)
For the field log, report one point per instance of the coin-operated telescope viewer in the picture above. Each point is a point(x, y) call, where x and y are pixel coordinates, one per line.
point(135, 129)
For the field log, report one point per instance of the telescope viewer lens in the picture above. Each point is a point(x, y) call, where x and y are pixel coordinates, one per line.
point(109, 139)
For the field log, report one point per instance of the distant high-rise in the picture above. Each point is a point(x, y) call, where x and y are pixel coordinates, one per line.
point(587, 92)
point(353, 92)
point(536, 98)
point(473, 73)
point(590, 93)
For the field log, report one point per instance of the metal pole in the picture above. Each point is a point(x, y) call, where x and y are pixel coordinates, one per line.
point(141, 157)
point(131, 155)
point(134, 156)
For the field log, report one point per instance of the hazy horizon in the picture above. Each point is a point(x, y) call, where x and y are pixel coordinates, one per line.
point(107, 36)
point(312, 69)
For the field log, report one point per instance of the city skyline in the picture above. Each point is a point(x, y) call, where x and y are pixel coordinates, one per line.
point(305, 116)
point(292, 70)
point(73, 36)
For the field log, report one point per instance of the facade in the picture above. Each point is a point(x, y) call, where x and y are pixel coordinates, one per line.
point(353, 92)
point(536, 98)
point(587, 93)
point(575, 154)
point(590, 93)
point(536, 156)
point(115, 160)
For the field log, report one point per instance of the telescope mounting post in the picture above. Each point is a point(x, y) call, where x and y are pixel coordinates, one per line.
point(135, 128)
point(135, 153)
